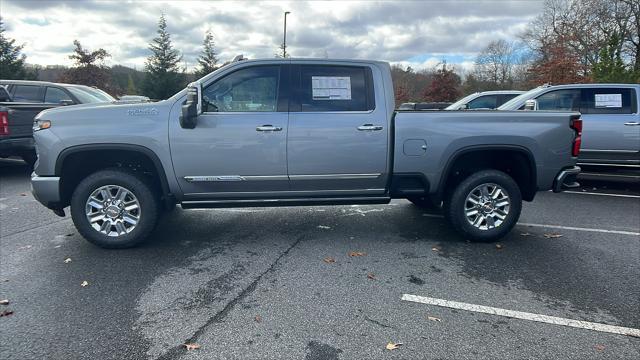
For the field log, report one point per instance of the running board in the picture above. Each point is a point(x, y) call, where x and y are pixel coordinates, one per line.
point(199, 204)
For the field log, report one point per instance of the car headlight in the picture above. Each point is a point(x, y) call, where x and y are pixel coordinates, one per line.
point(41, 125)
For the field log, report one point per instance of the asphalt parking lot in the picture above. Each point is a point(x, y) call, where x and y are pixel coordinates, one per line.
point(323, 282)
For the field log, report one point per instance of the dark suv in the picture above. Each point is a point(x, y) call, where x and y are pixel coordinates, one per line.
point(54, 93)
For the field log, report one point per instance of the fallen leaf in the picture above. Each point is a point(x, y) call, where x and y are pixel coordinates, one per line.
point(329, 260)
point(552, 236)
point(357, 253)
point(84, 283)
point(371, 276)
point(599, 347)
point(191, 346)
point(324, 227)
point(526, 234)
point(6, 313)
point(499, 246)
point(433, 318)
point(57, 246)
point(23, 194)
point(4, 302)
point(258, 318)
point(24, 247)
point(393, 346)
point(67, 260)
point(70, 234)
point(436, 248)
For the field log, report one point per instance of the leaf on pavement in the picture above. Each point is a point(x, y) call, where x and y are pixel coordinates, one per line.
point(499, 246)
point(371, 276)
point(84, 283)
point(599, 347)
point(324, 227)
point(23, 194)
point(67, 260)
point(552, 236)
point(258, 318)
point(526, 234)
point(4, 302)
point(329, 260)
point(357, 253)
point(6, 313)
point(393, 346)
point(436, 248)
point(191, 346)
point(433, 318)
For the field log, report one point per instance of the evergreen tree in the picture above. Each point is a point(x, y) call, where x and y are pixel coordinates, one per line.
point(11, 59)
point(163, 76)
point(208, 60)
point(610, 67)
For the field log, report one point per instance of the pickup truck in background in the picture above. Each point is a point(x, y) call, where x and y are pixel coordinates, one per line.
point(484, 100)
point(284, 132)
point(24, 100)
point(610, 113)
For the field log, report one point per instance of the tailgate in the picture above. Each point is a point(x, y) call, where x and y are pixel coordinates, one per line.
point(21, 118)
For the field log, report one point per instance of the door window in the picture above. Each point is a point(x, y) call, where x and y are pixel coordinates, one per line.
point(560, 100)
point(484, 102)
point(609, 101)
point(253, 89)
point(55, 95)
point(335, 88)
point(27, 93)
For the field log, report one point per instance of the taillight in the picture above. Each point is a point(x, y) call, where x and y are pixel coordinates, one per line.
point(4, 123)
point(576, 125)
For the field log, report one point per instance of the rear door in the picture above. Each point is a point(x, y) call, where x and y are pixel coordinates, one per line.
point(338, 130)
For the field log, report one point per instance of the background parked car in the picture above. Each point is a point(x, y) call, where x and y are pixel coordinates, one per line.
point(484, 100)
point(54, 93)
point(423, 106)
point(611, 122)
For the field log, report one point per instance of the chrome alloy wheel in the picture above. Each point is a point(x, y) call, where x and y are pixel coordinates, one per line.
point(486, 206)
point(113, 210)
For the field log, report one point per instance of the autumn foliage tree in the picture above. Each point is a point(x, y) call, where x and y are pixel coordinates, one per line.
point(444, 87)
point(88, 69)
point(557, 65)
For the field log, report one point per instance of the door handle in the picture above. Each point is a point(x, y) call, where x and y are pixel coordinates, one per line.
point(632, 123)
point(369, 127)
point(268, 128)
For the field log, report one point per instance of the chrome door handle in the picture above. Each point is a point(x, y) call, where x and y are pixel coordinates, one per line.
point(369, 127)
point(632, 123)
point(268, 128)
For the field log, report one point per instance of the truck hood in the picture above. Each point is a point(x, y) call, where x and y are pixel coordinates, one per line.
point(103, 111)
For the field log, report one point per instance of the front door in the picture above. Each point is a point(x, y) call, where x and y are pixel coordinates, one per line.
point(238, 147)
point(338, 131)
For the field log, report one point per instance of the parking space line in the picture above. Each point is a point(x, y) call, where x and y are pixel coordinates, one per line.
point(603, 194)
point(619, 232)
point(523, 315)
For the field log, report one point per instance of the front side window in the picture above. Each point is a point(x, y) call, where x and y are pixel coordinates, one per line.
point(253, 89)
point(560, 100)
point(484, 102)
point(55, 96)
point(609, 101)
point(335, 88)
point(27, 93)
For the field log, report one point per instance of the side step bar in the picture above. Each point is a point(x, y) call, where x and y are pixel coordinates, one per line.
point(199, 204)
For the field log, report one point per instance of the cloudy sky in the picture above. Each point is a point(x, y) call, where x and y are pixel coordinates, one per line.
point(416, 33)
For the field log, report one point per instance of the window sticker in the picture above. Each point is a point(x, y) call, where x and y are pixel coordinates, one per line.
point(331, 87)
point(608, 100)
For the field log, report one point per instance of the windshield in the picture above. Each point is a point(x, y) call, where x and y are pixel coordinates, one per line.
point(456, 105)
point(513, 103)
point(89, 95)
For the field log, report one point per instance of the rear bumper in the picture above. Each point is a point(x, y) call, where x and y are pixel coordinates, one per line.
point(16, 146)
point(566, 179)
point(46, 189)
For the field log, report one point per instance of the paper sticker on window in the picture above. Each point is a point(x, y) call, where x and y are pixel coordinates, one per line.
point(331, 87)
point(608, 100)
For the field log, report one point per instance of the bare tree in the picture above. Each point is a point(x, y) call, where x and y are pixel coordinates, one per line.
point(495, 64)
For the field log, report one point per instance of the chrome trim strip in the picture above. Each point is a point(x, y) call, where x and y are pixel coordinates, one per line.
point(234, 178)
point(609, 164)
point(334, 176)
point(612, 151)
point(275, 194)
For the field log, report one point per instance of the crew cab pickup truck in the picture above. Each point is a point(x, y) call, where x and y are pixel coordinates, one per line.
point(285, 132)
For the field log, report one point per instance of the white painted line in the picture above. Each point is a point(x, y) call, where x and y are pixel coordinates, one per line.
point(524, 315)
point(619, 232)
point(603, 194)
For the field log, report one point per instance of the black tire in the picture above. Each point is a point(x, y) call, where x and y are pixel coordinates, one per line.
point(30, 158)
point(425, 202)
point(148, 203)
point(455, 212)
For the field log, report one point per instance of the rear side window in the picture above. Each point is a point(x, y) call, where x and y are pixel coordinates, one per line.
point(609, 101)
point(55, 96)
point(560, 100)
point(506, 97)
point(335, 88)
point(483, 102)
point(27, 93)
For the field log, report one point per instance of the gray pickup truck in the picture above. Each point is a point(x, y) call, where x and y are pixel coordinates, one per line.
point(294, 132)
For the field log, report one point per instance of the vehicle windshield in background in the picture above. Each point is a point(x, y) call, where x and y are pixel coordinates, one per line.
point(509, 104)
point(89, 95)
point(456, 105)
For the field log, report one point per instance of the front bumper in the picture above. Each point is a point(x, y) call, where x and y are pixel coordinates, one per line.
point(46, 189)
point(566, 179)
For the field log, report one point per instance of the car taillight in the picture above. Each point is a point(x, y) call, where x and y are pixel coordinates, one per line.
point(576, 125)
point(4, 123)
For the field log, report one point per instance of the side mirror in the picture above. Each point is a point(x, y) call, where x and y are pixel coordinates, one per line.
point(531, 104)
point(464, 107)
point(66, 102)
point(191, 108)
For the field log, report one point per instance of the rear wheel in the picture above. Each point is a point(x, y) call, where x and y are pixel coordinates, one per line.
point(485, 206)
point(114, 208)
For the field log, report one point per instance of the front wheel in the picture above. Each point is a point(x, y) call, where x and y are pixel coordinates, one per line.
point(485, 206)
point(114, 208)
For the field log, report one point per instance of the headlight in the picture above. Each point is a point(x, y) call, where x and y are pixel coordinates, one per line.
point(41, 125)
